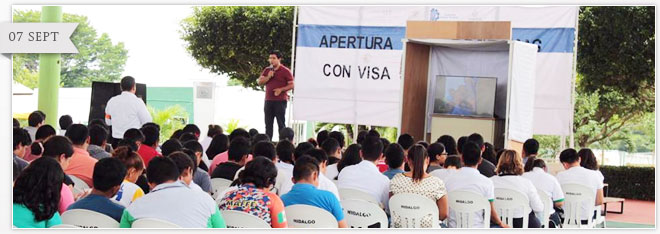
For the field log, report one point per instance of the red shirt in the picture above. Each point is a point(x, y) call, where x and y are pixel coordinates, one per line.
point(281, 78)
point(147, 153)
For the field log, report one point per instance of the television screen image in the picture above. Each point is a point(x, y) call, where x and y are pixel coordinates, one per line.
point(465, 96)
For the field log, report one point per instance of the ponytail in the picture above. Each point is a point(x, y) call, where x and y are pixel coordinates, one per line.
point(36, 148)
point(417, 154)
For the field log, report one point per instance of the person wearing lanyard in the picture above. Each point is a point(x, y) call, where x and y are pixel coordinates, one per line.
point(125, 111)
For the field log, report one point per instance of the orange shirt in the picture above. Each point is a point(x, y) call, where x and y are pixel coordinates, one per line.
point(81, 165)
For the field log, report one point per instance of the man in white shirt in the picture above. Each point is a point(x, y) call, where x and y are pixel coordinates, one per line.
point(530, 149)
point(333, 150)
point(324, 183)
point(365, 175)
point(284, 150)
point(469, 179)
point(575, 174)
point(126, 111)
point(545, 183)
point(35, 120)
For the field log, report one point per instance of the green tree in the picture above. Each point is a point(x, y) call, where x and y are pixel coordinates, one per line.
point(235, 40)
point(98, 58)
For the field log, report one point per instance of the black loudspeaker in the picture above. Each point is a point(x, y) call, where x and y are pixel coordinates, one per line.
point(103, 91)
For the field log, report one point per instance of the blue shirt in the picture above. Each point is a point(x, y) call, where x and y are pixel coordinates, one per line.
point(392, 172)
point(99, 204)
point(308, 194)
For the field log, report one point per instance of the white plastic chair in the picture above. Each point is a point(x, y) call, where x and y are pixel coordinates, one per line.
point(88, 219)
point(346, 194)
point(600, 219)
point(218, 185)
point(548, 205)
point(304, 216)
point(465, 204)
point(79, 185)
point(575, 196)
point(153, 223)
point(240, 219)
point(65, 226)
point(363, 214)
point(508, 200)
point(412, 208)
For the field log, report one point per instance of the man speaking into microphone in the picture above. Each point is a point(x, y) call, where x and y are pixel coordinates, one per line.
point(278, 80)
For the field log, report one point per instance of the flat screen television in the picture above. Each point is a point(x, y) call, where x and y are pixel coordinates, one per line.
point(465, 95)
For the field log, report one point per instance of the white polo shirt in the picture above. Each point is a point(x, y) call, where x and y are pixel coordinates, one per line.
point(443, 173)
point(324, 184)
point(126, 111)
point(546, 183)
point(285, 166)
point(523, 185)
point(583, 176)
point(331, 171)
point(366, 177)
point(469, 179)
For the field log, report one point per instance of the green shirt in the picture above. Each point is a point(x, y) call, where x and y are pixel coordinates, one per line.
point(24, 218)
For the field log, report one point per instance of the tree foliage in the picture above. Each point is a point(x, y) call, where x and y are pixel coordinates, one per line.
point(98, 58)
point(235, 40)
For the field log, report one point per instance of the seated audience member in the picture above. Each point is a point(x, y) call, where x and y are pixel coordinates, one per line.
point(437, 156)
point(406, 141)
point(417, 181)
point(322, 136)
point(108, 176)
point(219, 144)
point(489, 153)
point(61, 149)
point(36, 195)
point(423, 143)
point(134, 135)
point(286, 133)
point(191, 128)
point(224, 156)
point(395, 159)
point(576, 174)
point(36, 148)
point(266, 149)
point(65, 121)
point(188, 136)
point(239, 149)
point(509, 176)
point(81, 164)
point(21, 141)
point(324, 183)
point(460, 143)
point(129, 191)
point(530, 149)
point(305, 176)
point(186, 167)
point(147, 149)
point(176, 134)
point(331, 147)
point(284, 150)
point(452, 164)
point(588, 160)
point(170, 146)
point(301, 149)
point(259, 138)
point(449, 143)
point(16, 123)
point(351, 157)
point(313, 142)
point(365, 176)
point(98, 137)
point(469, 179)
point(339, 136)
point(213, 131)
point(547, 184)
point(127, 143)
point(172, 201)
point(35, 120)
point(486, 168)
point(200, 177)
point(252, 195)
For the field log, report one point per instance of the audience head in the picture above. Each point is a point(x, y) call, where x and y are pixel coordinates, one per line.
point(285, 150)
point(16, 123)
point(219, 144)
point(287, 133)
point(152, 124)
point(351, 157)
point(453, 161)
point(471, 154)
point(331, 147)
point(301, 150)
point(176, 134)
point(266, 149)
point(372, 149)
point(97, 135)
point(477, 138)
point(214, 130)
point(569, 158)
point(489, 152)
point(313, 142)
point(38, 187)
point(161, 170)
point(65, 121)
point(99, 122)
point(406, 141)
point(43, 132)
point(437, 153)
point(385, 142)
point(151, 136)
point(588, 159)
point(418, 160)
point(59, 148)
point(361, 135)
point(259, 138)
point(239, 148)
point(191, 128)
point(131, 160)
point(320, 156)
point(170, 146)
point(78, 134)
point(253, 132)
point(108, 175)
point(394, 156)
point(134, 135)
point(128, 84)
point(423, 143)
point(129, 144)
point(449, 143)
point(21, 140)
point(536, 162)
point(373, 133)
point(530, 147)
point(510, 163)
point(306, 170)
point(185, 166)
point(239, 132)
point(188, 136)
point(35, 119)
point(339, 136)
point(322, 136)
point(197, 150)
point(261, 172)
point(460, 143)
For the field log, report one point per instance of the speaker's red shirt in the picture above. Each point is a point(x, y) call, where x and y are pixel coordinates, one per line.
point(280, 79)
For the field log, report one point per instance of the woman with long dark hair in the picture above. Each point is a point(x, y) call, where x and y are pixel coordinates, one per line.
point(37, 194)
point(588, 160)
point(350, 157)
point(417, 181)
point(61, 149)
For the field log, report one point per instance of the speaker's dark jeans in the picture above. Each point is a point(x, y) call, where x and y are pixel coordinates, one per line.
point(274, 110)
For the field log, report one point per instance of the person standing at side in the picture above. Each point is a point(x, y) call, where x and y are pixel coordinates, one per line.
point(278, 80)
point(125, 111)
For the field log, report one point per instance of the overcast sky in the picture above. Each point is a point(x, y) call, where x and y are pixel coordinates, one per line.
point(156, 54)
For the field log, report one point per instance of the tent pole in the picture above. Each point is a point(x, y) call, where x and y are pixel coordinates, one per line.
point(571, 143)
point(49, 71)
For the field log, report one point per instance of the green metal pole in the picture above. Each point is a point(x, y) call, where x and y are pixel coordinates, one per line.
point(49, 71)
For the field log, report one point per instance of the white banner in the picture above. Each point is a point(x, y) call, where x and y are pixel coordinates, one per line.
point(365, 35)
point(521, 87)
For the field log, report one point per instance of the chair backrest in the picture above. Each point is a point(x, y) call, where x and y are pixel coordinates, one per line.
point(65, 226)
point(88, 219)
point(79, 185)
point(575, 197)
point(464, 204)
point(508, 200)
point(153, 223)
point(346, 193)
point(548, 206)
point(304, 216)
point(240, 219)
point(412, 208)
point(363, 214)
point(218, 185)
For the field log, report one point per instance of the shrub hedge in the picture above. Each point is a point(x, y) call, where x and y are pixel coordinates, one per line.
point(630, 182)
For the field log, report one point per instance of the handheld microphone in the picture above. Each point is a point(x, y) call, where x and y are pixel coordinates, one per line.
point(271, 68)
